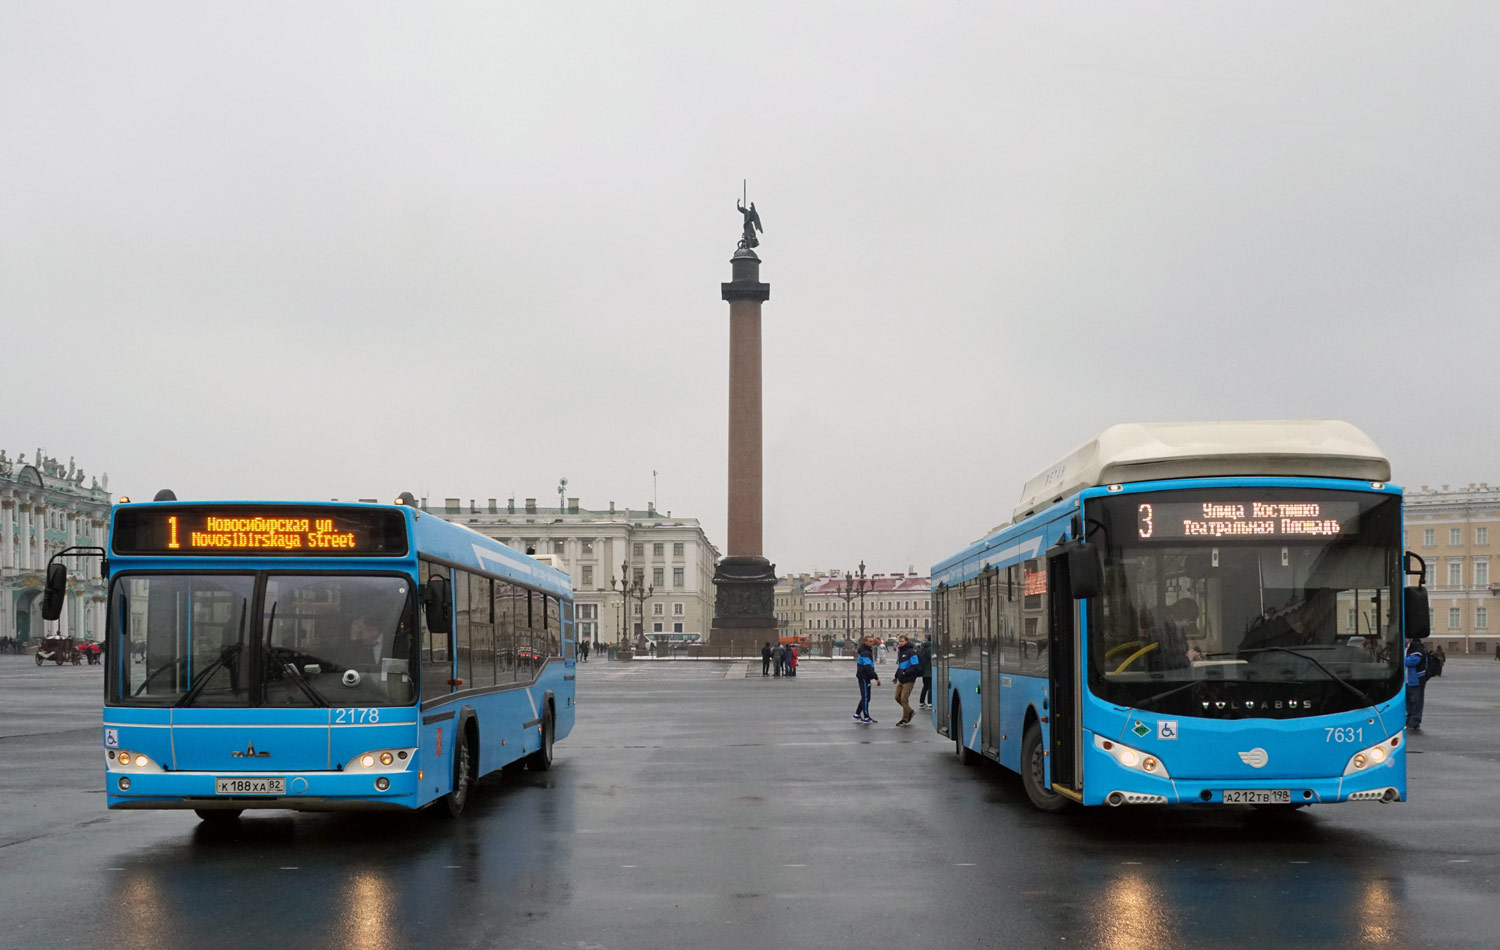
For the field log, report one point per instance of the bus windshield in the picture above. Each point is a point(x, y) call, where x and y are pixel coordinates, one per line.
point(1247, 602)
point(277, 640)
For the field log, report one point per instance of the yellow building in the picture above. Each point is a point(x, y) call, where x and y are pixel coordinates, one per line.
point(1457, 532)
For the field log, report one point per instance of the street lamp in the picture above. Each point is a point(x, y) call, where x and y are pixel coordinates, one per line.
point(854, 586)
point(629, 587)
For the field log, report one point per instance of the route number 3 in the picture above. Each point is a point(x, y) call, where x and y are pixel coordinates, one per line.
point(355, 716)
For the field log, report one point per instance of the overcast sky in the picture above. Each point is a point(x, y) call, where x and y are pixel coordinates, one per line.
point(345, 250)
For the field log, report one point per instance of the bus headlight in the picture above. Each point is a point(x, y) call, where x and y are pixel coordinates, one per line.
point(381, 760)
point(1133, 759)
point(1379, 754)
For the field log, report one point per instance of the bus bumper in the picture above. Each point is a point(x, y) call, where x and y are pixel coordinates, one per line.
point(308, 791)
point(1107, 782)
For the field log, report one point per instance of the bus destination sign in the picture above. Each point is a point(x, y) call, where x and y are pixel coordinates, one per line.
point(274, 531)
point(1250, 520)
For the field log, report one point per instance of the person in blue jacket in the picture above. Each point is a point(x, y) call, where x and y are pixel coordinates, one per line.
point(1416, 683)
point(864, 674)
point(924, 657)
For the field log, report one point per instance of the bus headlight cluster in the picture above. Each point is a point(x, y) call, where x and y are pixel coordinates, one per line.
point(1133, 759)
point(381, 760)
point(130, 760)
point(1380, 754)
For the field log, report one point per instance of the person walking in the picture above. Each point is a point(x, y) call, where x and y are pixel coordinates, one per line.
point(765, 659)
point(583, 652)
point(778, 654)
point(924, 669)
point(864, 675)
point(907, 669)
point(791, 659)
point(1416, 683)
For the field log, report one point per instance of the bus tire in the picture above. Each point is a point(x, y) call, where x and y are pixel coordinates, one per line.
point(1034, 773)
point(966, 755)
point(541, 759)
point(463, 776)
point(218, 816)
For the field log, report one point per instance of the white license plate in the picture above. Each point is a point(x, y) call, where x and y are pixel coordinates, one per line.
point(1257, 796)
point(250, 786)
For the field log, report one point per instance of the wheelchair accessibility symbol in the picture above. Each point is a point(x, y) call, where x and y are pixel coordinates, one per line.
point(1166, 728)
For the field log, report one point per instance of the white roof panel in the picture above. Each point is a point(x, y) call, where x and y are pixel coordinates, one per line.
point(1146, 451)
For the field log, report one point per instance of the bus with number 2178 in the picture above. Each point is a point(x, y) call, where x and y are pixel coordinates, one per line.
point(1207, 613)
point(321, 656)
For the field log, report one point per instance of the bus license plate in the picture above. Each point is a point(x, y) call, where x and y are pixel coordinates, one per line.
point(250, 786)
point(1257, 796)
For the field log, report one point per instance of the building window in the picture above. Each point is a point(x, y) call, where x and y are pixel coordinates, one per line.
point(588, 575)
point(656, 628)
point(558, 546)
point(678, 577)
point(1455, 537)
point(1455, 573)
point(640, 576)
point(657, 610)
point(1455, 616)
point(1482, 536)
point(1429, 538)
point(677, 610)
point(587, 546)
point(677, 549)
point(658, 577)
point(639, 549)
point(658, 549)
point(1481, 618)
point(588, 611)
point(1481, 573)
point(676, 628)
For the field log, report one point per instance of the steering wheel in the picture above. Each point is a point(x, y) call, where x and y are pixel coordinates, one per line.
point(1136, 656)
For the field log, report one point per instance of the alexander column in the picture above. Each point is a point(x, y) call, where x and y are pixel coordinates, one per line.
point(744, 607)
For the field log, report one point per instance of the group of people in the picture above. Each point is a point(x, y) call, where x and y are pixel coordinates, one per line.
point(778, 660)
point(913, 662)
point(12, 645)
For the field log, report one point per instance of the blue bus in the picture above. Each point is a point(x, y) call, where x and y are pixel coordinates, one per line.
point(322, 656)
point(1188, 613)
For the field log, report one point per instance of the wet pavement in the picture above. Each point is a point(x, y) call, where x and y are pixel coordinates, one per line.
point(701, 805)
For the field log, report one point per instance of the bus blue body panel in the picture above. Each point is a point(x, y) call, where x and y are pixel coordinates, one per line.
point(1202, 757)
point(317, 750)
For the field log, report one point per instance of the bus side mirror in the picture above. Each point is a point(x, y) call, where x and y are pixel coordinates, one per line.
point(1414, 605)
point(435, 601)
point(56, 590)
point(1085, 574)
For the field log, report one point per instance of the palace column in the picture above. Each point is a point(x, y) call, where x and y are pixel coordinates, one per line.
point(745, 581)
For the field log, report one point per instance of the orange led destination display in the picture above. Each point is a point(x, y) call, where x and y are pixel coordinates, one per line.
point(277, 531)
point(1246, 520)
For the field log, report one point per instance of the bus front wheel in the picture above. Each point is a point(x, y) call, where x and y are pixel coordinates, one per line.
point(541, 759)
point(463, 776)
point(1034, 773)
point(218, 816)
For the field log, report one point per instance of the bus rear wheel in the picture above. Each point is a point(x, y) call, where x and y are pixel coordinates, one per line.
point(966, 755)
point(1034, 773)
point(463, 776)
point(541, 759)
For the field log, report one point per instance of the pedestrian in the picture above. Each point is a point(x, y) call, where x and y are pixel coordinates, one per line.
point(583, 652)
point(1416, 683)
point(924, 658)
point(791, 659)
point(1441, 655)
point(864, 675)
point(765, 659)
point(908, 667)
point(778, 653)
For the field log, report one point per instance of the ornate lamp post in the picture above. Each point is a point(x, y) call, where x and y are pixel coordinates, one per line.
point(630, 587)
point(863, 584)
point(855, 585)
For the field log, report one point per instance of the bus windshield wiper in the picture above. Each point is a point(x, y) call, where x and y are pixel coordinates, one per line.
point(1331, 674)
point(307, 688)
point(205, 674)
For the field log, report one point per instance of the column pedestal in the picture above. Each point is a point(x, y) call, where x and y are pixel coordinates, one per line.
point(745, 604)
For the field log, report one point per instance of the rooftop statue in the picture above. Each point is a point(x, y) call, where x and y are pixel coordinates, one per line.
point(752, 224)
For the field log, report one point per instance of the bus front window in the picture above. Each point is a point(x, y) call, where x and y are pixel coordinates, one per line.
point(1247, 602)
point(176, 638)
point(338, 640)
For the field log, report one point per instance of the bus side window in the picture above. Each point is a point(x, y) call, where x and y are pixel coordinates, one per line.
point(437, 652)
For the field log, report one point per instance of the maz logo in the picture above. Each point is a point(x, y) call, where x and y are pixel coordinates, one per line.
point(250, 753)
point(1255, 758)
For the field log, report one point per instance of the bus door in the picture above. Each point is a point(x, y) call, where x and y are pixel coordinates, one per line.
point(940, 650)
point(1062, 676)
point(989, 663)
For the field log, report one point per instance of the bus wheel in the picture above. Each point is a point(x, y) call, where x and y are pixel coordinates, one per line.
point(455, 800)
point(218, 816)
point(966, 755)
point(1034, 773)
point(541, 759)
